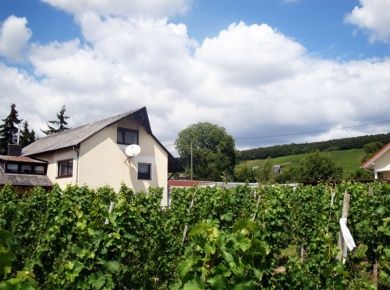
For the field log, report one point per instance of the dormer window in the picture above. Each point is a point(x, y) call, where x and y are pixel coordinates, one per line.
point(127, 136)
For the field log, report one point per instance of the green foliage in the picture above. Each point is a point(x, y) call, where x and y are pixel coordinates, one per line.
point(330, 145)
point(318, 166)
point(361, 174)
point(244, 173)
point(237, 238)
point(61, 123)
point(348, 160)
point(8, 130)
point(27, 136)
point(265, 173)
point(234, 259)
point(371, 148)
point(214, 155)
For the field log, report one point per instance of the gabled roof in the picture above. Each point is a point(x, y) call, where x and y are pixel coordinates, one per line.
point(370, 162)
point(73, 137)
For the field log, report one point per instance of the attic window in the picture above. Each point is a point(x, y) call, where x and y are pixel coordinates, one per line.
point(127, 136)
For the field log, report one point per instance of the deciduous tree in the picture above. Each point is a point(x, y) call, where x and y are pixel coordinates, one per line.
point(214, 155)
point(318, 166)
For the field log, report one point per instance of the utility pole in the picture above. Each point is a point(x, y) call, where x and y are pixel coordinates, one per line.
point(192, 168)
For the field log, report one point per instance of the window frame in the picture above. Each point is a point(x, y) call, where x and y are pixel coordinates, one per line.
point(67, 171)
point(20, 164)
point(44, 169)
point(143, 176)
point(11, 163)
point(122, 131)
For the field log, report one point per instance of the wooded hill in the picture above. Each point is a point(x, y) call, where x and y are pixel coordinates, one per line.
point(330, 145)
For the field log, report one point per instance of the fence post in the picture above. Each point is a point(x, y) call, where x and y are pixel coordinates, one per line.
point(186, 225)
point(341, 243)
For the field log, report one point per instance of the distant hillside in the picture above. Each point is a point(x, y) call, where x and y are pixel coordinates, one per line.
point(349, 160)
point(293, 149)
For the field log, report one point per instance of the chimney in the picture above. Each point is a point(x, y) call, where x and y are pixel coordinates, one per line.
point(14, 150)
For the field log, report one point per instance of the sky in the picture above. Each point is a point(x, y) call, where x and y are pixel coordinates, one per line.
point(268, 71)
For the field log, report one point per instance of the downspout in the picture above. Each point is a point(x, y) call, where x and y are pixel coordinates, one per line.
point(76, 149)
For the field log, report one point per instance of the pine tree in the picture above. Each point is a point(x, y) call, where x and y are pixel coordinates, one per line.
point(8, 130)
point(61, 123)
point(26, 136)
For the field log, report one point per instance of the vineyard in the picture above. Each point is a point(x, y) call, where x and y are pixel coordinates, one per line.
point(271, 237)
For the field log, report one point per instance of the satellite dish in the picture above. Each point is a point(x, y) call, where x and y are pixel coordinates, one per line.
point(133, 150)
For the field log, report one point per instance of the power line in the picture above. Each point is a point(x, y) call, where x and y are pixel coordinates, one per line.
point(303, 133)
point(311, 132)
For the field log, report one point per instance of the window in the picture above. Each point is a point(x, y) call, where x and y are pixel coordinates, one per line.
point(65, 168)
point(27, 169)
point(39, 169)
point(12, 168)
point(127, 136)
point(144, 171)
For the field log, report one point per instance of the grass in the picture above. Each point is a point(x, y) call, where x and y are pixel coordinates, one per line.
point(348, 160)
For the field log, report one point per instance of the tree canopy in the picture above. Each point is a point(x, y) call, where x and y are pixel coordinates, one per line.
point(214, 155)
point(27, 136)
point(60, 123)
point(9, 129)
point(318, 166)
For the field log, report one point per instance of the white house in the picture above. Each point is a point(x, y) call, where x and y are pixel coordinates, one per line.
point(379, 163)
point(94, 154)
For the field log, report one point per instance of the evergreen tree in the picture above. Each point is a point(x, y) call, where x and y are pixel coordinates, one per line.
point(9, 130)
point(60, 123)
point(26, 136)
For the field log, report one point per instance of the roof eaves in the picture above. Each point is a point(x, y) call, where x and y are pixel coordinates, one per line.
point(378, 154)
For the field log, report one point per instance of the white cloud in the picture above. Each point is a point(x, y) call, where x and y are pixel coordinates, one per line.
point(14, 36)
point(156, 8)
point(251, 79)
point(374, 17)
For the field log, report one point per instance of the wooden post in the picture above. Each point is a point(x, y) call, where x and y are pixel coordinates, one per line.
point(302, 253)
point(257, 208)
point(332, 198)
point(341, 243)
point(186, 225)
point(375, 273)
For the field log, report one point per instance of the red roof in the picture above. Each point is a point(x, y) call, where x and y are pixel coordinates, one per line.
point(376, 156)
point(182, 183)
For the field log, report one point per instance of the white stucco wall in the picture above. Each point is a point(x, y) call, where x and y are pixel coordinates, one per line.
point(104, 162)
point(52, 167)
point(383, 163)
